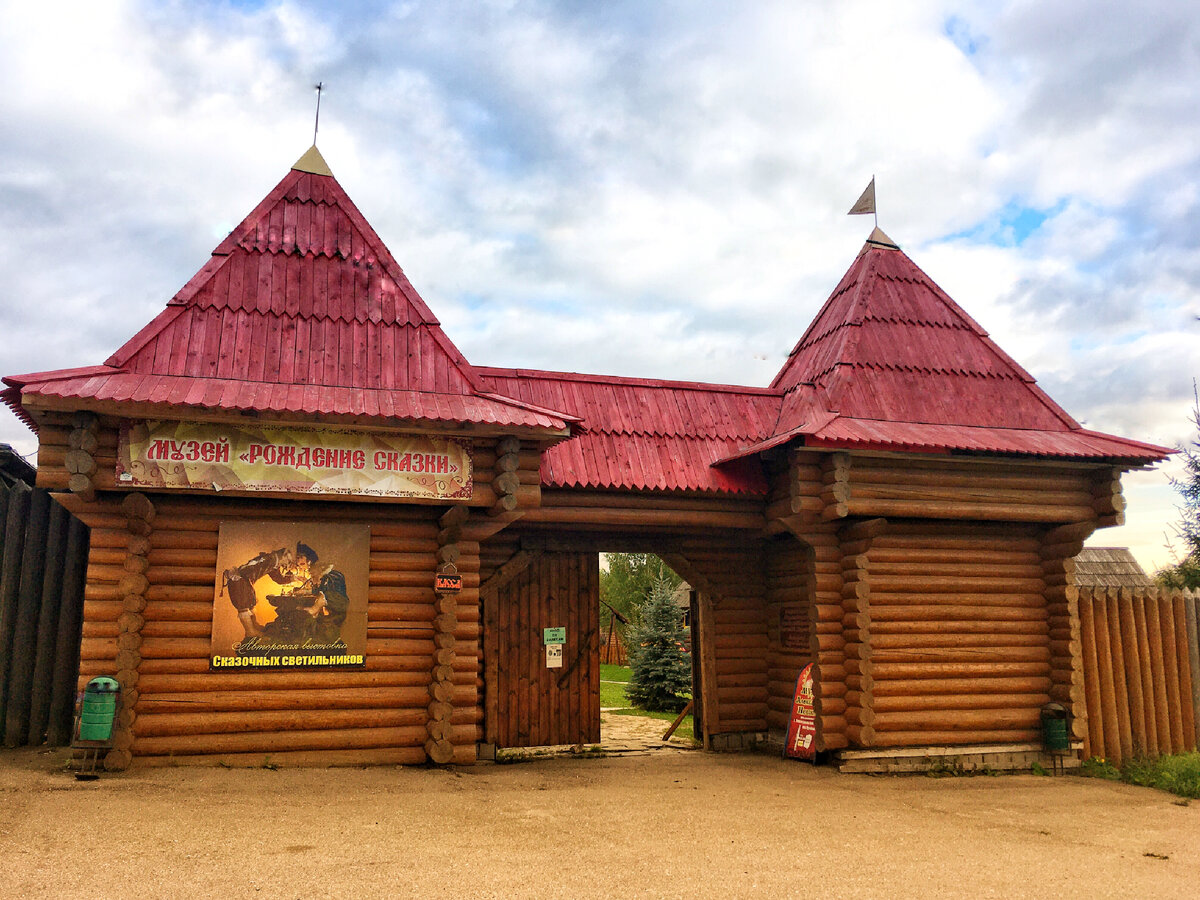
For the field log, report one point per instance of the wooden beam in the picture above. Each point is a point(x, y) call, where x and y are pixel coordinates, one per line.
point(520, 561)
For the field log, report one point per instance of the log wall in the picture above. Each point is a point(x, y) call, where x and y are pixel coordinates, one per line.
point(730, 575)
point(183, 712)
point(790, 587)
point(1141, 672)
point(958, 650)
point(904, 487)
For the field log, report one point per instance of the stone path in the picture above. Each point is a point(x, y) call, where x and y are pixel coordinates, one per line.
point(619, 736)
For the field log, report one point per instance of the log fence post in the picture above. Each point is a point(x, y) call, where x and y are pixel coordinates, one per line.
point(1193, 641)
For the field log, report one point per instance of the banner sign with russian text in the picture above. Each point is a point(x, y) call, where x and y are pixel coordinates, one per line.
point(802, 729)
point(298, 460)
point(290, 595)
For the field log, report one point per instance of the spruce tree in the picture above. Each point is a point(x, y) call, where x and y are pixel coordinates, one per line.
point(662, 669)
point(1186, 572)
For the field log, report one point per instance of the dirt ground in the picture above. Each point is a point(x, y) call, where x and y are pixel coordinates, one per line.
point(671, 823)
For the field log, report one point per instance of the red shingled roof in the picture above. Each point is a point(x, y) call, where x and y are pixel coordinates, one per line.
point(301, 309)
point(891, 362)
point(647, 434)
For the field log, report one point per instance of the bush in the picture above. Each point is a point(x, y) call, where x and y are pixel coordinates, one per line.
point(662, 669)
point(1178, 773)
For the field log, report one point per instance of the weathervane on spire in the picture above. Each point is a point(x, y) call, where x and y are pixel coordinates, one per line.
point(866, 203)
point(317, 121)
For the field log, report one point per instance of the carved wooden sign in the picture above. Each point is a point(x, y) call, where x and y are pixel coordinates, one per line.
point(793, 627)
point(447, 582)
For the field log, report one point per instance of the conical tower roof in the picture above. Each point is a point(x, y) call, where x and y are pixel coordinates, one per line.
point(300, 310)
point(892, 362)
point(890, 344)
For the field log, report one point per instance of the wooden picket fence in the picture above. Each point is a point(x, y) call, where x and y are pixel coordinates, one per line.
point(43, 561)
point(1141, 671)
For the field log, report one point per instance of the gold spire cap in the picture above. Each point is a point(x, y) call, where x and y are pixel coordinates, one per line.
point(313, 162)
point(878, 239)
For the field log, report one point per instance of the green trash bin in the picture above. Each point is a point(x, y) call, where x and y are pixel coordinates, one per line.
point(1056, 728)
point(98, 709)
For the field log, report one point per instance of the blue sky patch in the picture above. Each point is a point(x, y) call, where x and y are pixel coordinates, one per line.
point(956, 28)
point(1009, 226)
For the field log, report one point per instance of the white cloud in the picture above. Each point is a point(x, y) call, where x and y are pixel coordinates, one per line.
point(632, 188)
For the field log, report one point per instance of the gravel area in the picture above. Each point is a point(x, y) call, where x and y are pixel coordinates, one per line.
point(657, 824)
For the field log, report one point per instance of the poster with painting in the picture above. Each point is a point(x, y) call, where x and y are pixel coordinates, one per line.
point(290, 595)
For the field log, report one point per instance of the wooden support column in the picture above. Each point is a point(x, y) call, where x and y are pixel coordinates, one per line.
point(505, 481)
point(1059, 547)
point(856, 543)
point(439, 747)
point(80, 461)
point(835, 496)
point(1108, 501)
point(711, 708)
point(140, 514)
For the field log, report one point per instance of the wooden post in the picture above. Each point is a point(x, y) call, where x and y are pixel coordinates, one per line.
point(10, 582)
point(1183, 665)
point(1162, 709)
point(66, 645)
point(1145, 672)
point(708, 670)
point(24, 634)
point(1117, 652)
point(1133, 663)
point(1094, 745)
point(1193, 632)
point(1166, 615)
point(47, 630)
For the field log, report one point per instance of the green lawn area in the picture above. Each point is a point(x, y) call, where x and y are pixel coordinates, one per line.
point(610, 672)
point(612, 695)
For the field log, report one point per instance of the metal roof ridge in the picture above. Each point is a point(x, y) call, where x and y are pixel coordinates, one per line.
point(625, 381)
point(19, 381)
point(532, 407)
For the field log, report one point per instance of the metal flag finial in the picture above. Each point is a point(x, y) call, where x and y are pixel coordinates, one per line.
point(866, 203)
point(320, 85)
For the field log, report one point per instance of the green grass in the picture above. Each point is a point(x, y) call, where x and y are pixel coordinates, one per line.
point(610, 672)
point(1178, 774)
point(612, 695)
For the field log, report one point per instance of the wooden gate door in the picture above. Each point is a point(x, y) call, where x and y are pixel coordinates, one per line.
point(529, 704)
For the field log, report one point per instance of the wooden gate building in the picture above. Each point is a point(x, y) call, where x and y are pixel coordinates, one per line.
point(275, 469)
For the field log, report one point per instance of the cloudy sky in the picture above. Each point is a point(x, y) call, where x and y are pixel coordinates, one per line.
point(652, 189)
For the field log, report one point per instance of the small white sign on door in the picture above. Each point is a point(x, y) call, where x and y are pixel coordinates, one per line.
point(554, 656)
